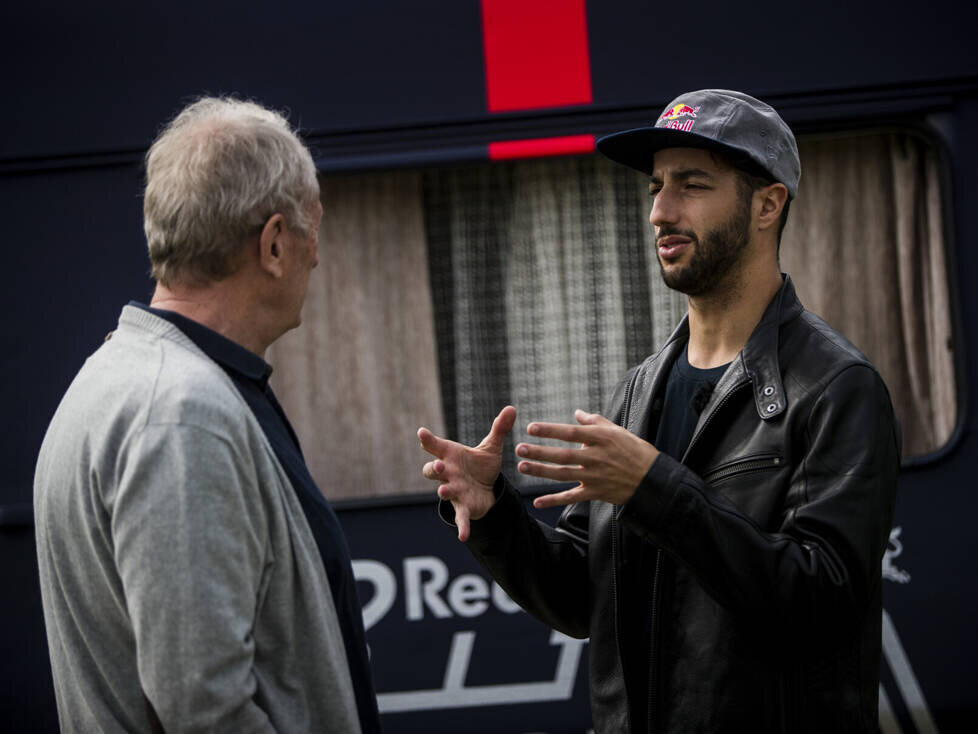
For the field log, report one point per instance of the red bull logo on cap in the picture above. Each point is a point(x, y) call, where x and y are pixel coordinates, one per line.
point(671, 117)
point(679, 110)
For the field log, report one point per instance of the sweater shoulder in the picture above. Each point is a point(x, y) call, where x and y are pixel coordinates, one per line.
point(135, 380)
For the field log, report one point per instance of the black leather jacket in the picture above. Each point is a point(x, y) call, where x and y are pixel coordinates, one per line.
point(766, 595)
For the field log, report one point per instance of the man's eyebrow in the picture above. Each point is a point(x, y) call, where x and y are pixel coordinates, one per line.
point(682, 174)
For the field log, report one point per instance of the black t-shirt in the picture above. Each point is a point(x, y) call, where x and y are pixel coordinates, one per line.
point(687, 391)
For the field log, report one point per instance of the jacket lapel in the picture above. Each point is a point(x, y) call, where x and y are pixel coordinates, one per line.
point(651, 380)
point(757, 363)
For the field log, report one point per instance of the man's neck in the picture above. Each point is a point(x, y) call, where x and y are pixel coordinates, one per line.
point(721, 322)
point(220, 306)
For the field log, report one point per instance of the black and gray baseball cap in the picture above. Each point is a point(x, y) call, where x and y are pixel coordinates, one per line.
point(716, 119)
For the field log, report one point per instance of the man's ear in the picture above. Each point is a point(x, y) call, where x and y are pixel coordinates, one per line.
point(773, 199)
point(271, 246)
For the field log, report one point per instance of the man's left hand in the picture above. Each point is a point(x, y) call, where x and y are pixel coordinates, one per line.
point(608, 463)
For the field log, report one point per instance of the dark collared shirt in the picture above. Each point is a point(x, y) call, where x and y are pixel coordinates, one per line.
point(250, 374)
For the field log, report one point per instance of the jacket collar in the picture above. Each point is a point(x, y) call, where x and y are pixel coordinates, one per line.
point(759, 359)
point(757, 363)
point(651, 382)
point(227, 353)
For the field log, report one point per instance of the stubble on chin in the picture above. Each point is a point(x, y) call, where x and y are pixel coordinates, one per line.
point(712, 258)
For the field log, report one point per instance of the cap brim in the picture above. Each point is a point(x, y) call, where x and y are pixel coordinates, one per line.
point(637, 148)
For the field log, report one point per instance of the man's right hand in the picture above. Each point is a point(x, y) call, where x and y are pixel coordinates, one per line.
point(467, 473)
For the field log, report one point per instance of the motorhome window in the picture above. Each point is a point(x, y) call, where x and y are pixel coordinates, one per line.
point(446, 293)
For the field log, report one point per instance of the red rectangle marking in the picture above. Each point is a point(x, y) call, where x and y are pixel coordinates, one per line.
point(536, 54)
point(540, 147)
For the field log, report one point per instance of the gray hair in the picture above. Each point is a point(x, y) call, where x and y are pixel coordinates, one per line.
point(214, 176)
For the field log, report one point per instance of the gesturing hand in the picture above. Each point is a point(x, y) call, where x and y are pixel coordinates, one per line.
point(608, 463)
point(467, 473)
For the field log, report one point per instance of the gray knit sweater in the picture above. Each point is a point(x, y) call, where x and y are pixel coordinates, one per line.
point(177, 568)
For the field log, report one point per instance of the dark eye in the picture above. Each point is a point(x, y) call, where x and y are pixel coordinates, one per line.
point(653, 190)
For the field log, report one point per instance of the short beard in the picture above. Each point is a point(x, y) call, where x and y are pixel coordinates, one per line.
point(714, 257)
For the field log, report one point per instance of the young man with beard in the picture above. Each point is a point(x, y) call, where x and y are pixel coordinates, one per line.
point(722, 545)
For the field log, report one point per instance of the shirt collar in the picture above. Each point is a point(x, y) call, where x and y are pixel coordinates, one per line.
point(222, 350)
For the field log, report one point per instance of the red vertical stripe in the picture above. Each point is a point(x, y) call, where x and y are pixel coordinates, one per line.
point(536, 54)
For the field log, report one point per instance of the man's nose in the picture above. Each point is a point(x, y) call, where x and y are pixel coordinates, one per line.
point(664, 210)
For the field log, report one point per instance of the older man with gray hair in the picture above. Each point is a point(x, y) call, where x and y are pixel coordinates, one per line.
point(193, 576)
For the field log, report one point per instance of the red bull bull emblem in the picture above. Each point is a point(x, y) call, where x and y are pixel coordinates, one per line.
point(671, 117)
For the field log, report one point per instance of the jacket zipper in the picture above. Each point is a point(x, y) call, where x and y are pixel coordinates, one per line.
point(783, 702)
point(742, 466)
point(614, 600)
point(653, 683)
point(653, 691)
point(622, 420)
point(653, 653)
point(627, 402)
